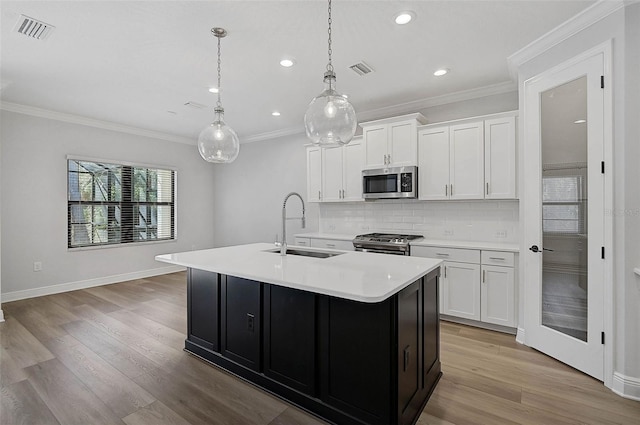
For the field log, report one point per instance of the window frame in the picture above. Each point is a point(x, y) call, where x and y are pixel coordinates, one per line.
point(127, 204)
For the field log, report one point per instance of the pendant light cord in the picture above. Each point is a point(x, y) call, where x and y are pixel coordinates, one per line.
point(329, 51)
point(219, 104)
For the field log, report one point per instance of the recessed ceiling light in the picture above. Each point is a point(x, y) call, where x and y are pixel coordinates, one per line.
point(440, 72)
point(580, 121)
point(214, 90)
point(287, 63)
point(275, 113)
point(404, 17)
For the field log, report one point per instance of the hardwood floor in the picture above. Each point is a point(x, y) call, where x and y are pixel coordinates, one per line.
point(113, 355)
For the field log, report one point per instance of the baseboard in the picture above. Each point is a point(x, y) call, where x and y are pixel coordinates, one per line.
point(89, 283)
point(474, 323)
point(626, 386)
point(1, 316)
point(520, 336)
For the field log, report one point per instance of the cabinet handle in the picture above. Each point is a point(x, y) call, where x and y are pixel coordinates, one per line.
point(445, 272)
point(452, 189)
point(406, 358)
point(389, 159)
point(319, 197)
point(487, 188)
point(446, 190)
point(331, 245)
point(497, 258)
point(440, 254)
point(483, 276)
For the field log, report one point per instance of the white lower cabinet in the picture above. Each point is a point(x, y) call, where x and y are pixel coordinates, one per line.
point(332, 244)
point(475, 284)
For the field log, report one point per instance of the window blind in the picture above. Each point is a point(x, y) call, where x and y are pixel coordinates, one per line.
point(110, 203)
point(563, 205)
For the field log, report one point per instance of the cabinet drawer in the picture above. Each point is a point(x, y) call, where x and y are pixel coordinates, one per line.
point(332, 244)
point(448, 254)
point(498, 258)
point(303, 241)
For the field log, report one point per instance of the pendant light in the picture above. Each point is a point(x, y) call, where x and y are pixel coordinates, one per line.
point(218, 142)
point(330, 119)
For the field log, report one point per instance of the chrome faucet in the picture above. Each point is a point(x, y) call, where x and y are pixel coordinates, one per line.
point(283, 246)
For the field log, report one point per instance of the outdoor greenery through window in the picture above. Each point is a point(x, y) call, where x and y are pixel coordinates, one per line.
point(117, 204)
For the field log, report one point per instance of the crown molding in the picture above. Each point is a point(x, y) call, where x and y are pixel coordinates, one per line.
point(417, 105)
point(91, 122)
point(388, 111)
point(562, 32)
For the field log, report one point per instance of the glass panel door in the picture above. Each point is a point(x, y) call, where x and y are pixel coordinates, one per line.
point(565, 284)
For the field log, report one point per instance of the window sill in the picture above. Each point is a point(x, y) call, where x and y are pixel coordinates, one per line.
point(119, 245)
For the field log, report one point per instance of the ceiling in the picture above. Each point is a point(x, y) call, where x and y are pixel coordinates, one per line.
point(138, 63)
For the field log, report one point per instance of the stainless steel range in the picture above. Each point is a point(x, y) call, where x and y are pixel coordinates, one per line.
point(384, 243)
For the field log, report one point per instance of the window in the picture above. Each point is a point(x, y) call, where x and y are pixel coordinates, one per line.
point(112, 203)
point(563, 206)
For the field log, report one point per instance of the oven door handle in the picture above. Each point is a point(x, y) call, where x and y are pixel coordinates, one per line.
point(382, 251)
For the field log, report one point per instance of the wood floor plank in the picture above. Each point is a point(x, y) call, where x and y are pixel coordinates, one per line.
point(155, 351)
point(150, 328)
point(10, 370)
point(196, 406)
point(118, 392)
point(119, 355)
point(72, 299)
point(71, 402)
point(155, 414)
point(294, 416)
point(172, 316)
point(21, 405)
point(24, 348)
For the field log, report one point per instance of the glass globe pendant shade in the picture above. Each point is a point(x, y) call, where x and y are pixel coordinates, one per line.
point(218, 142)
point(330, 118)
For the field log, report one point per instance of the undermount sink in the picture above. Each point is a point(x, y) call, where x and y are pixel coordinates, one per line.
point(307, 252)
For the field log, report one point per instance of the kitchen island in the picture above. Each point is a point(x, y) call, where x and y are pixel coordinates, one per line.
point(352, 338)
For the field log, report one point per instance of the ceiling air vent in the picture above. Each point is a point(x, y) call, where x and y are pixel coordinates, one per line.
point(195, 105)
point(33, 28)
point(361, 68)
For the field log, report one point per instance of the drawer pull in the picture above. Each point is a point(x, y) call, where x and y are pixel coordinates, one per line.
point(497, 258)
point(440, 254)
point(331, 245)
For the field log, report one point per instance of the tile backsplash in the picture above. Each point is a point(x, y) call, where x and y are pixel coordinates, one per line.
point(482, 221)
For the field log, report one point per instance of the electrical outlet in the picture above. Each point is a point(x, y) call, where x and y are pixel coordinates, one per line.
point(332, 227)
point(501, 234)
point(37, 266)
point(250, 322)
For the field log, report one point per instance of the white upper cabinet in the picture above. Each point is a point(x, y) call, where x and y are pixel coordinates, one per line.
point(500, 158)
point(342, 172)
point(391, 142)
point(468, 159)
point(314, 174)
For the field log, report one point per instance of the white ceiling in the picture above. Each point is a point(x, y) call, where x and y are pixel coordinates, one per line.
point(131, 62)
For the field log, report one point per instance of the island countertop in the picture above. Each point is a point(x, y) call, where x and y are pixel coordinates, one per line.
point(357, 276)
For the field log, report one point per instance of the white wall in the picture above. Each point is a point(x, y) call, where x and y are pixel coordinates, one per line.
point(34, 204)
point(621, 27)
point(250, 192)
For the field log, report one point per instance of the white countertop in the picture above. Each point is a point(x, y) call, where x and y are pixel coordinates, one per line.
point(357, 276)
point(490, 246)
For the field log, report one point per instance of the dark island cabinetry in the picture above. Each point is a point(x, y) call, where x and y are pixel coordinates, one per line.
point(348, 362)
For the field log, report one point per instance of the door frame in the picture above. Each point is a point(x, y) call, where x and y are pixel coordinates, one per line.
point(531, 119)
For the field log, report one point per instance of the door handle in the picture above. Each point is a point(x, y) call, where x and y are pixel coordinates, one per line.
point(534, 248)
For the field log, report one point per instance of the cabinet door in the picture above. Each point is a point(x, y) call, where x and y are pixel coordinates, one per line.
point(344, 245)
point(466, 173)
point(203, 289)
point(409, 351)
point(375, 145)
point(314, 174)
point(290, 337)
point(497, 295)
point(402, 144)
point(353, 161)
point(500, 158)
point(241, 314)
point(332, 174)
point(461, 290)
point(433, 164)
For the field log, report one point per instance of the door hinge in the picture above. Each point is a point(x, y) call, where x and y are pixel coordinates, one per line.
point(603, 253)
point(602, 167)
point(602, 337)
point(602, 81)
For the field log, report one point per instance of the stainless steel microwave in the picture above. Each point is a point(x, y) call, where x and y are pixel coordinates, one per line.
point(390, 183)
